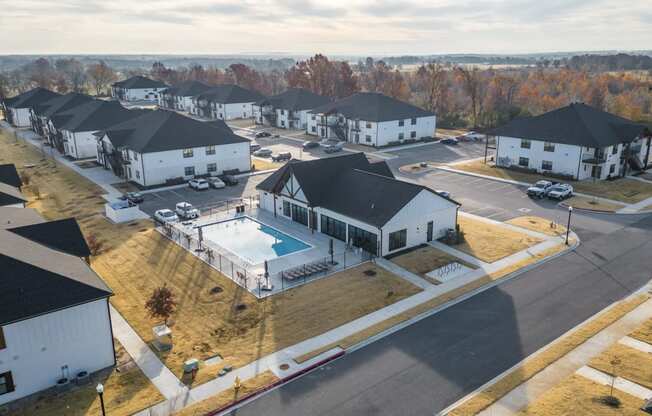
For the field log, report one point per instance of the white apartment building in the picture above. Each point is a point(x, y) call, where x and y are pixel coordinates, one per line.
point(179, 97)
point(225, 102)
point(289, 109)
point(18, 109)
point(137, 88)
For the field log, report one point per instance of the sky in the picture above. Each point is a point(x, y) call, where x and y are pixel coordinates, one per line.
point(335, 27)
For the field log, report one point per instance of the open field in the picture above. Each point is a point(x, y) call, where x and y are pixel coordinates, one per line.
point(538, 224)
point(624, 189)
point(263, 164)
point(429, 305)
point(540, 361)
point(489, 242)
point(425, 259)
point(135, 259)
point(593, 204)
point(579, 396)
point(125, 392)
point(634, 365)
point(222, 399)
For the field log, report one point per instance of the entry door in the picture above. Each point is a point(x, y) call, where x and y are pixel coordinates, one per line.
point(431, 227)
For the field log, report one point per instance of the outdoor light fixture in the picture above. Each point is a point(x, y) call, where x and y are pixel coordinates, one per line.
point(570, 211)
point(100, 392)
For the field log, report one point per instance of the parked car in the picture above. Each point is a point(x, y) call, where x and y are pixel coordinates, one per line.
point(310, 145)
point(560, 191)
point(254, 147)
point(198, 184)
point(262, 134)
point(263, 153)
point(165, 215)
point(471, 136)
point(230, 180)
point(445, 194)
point(451, 141)
point(133, 197)
point(282, 157)
point(334, 147)
point(216, 183)
point(540, 189)
point(186, 211)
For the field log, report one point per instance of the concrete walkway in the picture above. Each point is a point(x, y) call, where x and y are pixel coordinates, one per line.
point(552, 375)
point(636, 344)
point(405, 274)
point(619, 383)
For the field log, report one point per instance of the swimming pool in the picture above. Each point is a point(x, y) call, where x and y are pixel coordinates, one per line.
point(251, 240)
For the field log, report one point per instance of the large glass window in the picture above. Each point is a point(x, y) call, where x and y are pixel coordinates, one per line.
point(525, 144)
point(299, 214)
point(548, 147)
point(546, 165)
point(189, 171)
point(397, 239)
point(362, 238)
point(524, 162)
point(211, 167)
point(333, 227)
point(210, 150)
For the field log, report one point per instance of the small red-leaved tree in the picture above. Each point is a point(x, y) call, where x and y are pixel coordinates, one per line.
point(161, 304)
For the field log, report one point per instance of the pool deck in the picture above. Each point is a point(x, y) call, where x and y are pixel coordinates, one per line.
point(254, 272)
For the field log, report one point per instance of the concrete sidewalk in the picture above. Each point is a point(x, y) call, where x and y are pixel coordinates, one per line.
point(552, 375)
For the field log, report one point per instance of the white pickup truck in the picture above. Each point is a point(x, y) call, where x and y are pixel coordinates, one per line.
point(186, 211)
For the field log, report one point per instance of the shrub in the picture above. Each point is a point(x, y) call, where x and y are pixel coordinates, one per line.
point(94, 245)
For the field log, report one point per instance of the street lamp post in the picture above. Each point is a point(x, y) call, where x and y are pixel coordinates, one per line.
point(570, 211)
point(100, 392)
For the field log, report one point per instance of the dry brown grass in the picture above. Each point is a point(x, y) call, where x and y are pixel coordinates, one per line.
point(623, 189)
point(582, 202)
point(489, 242)
point(535, 364)
point(136, 259)
point(538, 224)
point(429, 305)
point(634, 365)
point(262, 164)
point(579, 396)
point(424, 260)
point(126, 392)
point(643, 332)
point(230, 395)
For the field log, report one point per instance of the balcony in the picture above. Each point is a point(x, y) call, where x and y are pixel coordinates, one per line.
point(593, 159)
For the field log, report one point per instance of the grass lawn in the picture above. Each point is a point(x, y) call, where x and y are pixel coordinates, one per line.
point(583, 202)
point(125, 392)
point(537, 363)
point(426, 259)
point(489, 242)
point(643, 332)
point(538, 224)
point(624, 189)
point(634, 365)
point(579, 396)
point(263, 164)
point(222, 399)
point(135, 259)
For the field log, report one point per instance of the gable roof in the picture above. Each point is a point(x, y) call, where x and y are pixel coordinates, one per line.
point(162, 130)
point(188, 89)
point(63, 235)
point(372, 106)
point(10, 195)
point(295, 99)
point(229, 94)
point(30, 98)
point(138, 81)
point(9, 175)
point(93, 116)
point(62, 103)
point(349, 185)
point(576, 124)
point(39, 278)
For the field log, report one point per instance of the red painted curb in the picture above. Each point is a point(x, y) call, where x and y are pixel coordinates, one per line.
point(275, 384)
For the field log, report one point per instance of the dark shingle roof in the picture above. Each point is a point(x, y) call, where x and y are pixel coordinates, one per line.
point(229, 94)
point(10, 195)
point(576, 124)
point(162, 130)
point(63, 235)
point(295, 99)
point(372, 106)
point(41, 278)
point(62, 103)
point(9, 175)
point(31, 98)
point(138, 82)
point(349, 185)
point(94, 115)
point(188, 89)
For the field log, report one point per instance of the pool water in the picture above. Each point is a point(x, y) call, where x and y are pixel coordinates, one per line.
point(251, 240)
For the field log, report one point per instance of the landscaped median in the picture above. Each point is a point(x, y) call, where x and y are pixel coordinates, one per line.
point(625, 190)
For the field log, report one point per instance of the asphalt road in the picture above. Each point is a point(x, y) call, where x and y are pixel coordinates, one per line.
point(425, 367)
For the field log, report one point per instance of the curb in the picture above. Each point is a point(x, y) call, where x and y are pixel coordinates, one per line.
point(272, 386)
point(594, 211)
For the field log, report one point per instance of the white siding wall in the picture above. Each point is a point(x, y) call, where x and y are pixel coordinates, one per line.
point(37, 348)
point(234, 111)
point(80, 145)
point(160, 166)
point(139, 94)
point(20, 116)
point(565, 159)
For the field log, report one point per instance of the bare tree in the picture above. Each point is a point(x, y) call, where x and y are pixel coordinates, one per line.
point(73, 72)
point(101, 75)
point(475, 87)
point(435, 83)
